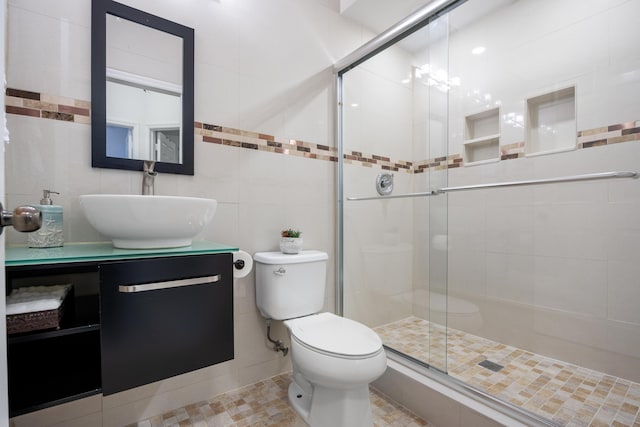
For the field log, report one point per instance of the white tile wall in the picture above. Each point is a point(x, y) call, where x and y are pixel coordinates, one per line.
point(524, 60)
point(568, 249)
point(83, 412)
point(56, 63)
point(565, 251)
point(382, 108)
point(378, 249)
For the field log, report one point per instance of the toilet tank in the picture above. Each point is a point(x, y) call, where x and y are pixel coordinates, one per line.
point(289, 286)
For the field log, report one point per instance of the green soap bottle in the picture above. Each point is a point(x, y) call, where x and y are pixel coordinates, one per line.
point(50, 234)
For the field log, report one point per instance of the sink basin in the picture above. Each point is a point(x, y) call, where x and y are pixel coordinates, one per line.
point(146, 222)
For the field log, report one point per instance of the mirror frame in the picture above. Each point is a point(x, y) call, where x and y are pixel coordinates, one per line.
point(99, 159)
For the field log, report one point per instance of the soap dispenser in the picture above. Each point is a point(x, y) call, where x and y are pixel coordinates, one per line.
point(50, 234)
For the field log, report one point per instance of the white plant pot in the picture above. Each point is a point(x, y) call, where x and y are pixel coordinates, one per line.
point(290, 245)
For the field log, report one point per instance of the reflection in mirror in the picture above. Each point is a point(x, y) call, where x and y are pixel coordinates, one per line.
point(143, 51)
point(142, 90)
point(143, 107)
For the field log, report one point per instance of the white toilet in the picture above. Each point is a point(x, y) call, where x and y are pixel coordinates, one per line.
point(334, 359)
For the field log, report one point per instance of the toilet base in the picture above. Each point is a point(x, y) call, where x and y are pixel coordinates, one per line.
point(300, 401)
point(331, 407)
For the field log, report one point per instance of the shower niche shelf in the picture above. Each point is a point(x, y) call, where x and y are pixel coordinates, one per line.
point(551, 122)
point(482, 137)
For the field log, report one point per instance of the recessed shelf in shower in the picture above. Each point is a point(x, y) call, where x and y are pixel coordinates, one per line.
point(551, 122)
point(482, 137)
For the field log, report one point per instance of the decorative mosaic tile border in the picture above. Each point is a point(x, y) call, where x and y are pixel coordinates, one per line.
point(258, 141)
point(369, 160)
point(608, 135)
point(438, 163)
point(34, 104)
point(512, 151)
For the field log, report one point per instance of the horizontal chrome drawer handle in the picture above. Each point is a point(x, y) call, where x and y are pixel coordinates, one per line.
point(169, 284)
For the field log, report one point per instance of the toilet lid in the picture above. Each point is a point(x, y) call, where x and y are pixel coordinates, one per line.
point(334, 334)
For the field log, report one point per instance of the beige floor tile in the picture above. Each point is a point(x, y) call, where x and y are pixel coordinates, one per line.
point(265, 404)
point(570, 395)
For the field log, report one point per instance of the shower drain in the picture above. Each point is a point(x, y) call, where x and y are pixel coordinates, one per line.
point(492, 366)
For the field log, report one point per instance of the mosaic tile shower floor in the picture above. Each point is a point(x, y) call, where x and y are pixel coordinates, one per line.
point(265, 403)
point(567, 394)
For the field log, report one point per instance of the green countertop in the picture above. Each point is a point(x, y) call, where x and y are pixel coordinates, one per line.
point(17, 255)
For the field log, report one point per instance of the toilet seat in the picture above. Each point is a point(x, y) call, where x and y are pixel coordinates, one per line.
point(335, 336)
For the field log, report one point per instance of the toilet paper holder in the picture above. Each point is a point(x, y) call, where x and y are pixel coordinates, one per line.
point(242, 264)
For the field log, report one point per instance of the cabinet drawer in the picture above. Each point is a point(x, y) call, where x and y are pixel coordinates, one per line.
point(162, 317)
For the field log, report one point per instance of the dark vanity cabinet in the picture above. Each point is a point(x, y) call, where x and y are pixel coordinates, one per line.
point(164, 317)
point(128, 321)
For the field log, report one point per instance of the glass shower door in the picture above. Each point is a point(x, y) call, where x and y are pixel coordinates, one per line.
point(434, 79)
point(526, 293)
point(394, 116)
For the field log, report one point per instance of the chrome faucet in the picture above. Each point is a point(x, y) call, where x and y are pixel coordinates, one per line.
point(148, 177)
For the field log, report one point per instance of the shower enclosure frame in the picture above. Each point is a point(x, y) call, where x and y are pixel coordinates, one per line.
point(414, 22)
point(419, 19)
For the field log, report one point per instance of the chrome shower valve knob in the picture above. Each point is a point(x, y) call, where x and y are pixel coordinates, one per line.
point(384, 183)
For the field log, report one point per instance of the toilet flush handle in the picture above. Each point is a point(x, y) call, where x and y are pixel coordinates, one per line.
point(280, 272)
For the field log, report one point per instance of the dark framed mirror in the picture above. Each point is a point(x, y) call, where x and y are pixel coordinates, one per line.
point(142, 95)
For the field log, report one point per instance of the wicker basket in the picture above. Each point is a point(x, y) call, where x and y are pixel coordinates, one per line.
point(34, 321)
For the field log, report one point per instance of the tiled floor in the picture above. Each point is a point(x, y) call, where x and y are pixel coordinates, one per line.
point(266, 404)
point(567, 394)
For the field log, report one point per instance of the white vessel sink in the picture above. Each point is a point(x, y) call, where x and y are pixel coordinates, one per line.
point(146, 222)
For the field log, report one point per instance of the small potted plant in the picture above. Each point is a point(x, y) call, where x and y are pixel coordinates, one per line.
point(290, 241)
